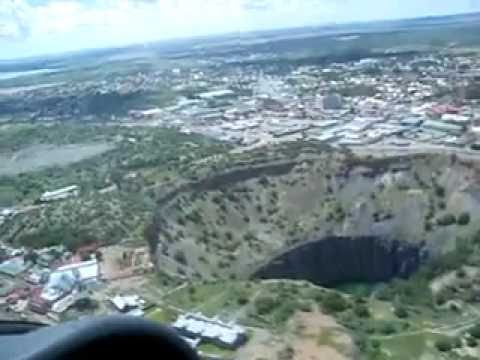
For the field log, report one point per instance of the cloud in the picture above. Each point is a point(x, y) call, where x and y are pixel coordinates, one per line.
point(43, 26)
point(256, 5)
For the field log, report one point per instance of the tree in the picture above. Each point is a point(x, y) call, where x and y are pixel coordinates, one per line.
point(362, 311)
point(443, 345)
point(265, 304)
point(439, 190)
point(334, 303)
point(150, 234)
point(401, 312)
point(446, 220)
point(475, 331)
point(180, 257)
point(463, 219)
point(461, 273)
point(388, 329)
point(428, 226)
point(472, 342)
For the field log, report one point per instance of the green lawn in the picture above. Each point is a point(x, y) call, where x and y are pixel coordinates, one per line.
point(212, 298)
point(163, 315)
point(208, 348)
point(419, 346)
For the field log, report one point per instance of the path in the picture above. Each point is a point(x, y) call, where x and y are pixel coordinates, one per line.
point(441, 330)
point(242, 310)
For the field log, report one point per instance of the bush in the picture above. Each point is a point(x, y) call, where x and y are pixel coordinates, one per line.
point(388, 329)
point(463, 219)
point(334, 303)
point(472, 342)
point(446, 220)
point(443, 345)
point(180, 257)
point(475, 331)
point(460, 273)
point(439, 191)
point(242, 300)
point(457, 343)
point(305, 306)
point(401, 312)
point(265, 304)
point(362, 311)
point(428, 226)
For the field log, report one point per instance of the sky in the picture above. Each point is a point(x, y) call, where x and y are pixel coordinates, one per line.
point(39, 27)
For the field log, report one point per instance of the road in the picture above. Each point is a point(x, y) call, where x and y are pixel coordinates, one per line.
point(382, 150)
point(447, 330)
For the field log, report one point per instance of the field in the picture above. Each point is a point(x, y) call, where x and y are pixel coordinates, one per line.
point(119, 173)
point(39, 157)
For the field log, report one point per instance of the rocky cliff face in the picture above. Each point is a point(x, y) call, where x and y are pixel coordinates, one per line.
point(336, 260)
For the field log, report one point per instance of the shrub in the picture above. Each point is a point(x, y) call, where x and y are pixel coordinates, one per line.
point(475, 331)
point(180, 257)
point(460, 273)
point(472, 342)
point(428, 226)
point(401, 312)
point(242, 300)
point(362, 311)
point(443, 345)
point(334, 303)
point(265, 304)
point(439, 191)
point(446, 220)
point(305, 306)
point(463, 219)
point(441, 300)
point(388, 329)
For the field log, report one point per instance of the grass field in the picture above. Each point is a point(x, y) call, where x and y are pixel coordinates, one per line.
point(163, 315)
point(418, 346)
point(211, 349)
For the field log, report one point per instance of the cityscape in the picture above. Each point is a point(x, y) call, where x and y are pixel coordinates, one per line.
point(312, 196)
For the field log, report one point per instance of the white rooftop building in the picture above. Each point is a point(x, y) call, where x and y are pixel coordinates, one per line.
point(60, 194)
point(212, 330)
point(127, 303)
point(85, 271)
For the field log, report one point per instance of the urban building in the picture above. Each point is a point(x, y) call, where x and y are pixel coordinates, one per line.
point(60, 194)
point(222, 334)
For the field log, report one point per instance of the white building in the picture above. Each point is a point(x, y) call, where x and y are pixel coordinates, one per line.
point(63, 304)
point(212, 330)
point(60, 194)
point(84, 272)
point(127, 303)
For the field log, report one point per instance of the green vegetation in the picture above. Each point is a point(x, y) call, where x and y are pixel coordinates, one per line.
point(211, 349)
point(446, 220)
point(118, 187)
point(463, 219)
point(164, 315)
point(333, 302)
point(401, 312)
point(444, 345)
point(475, 331)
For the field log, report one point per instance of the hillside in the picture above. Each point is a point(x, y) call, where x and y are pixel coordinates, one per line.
point(232, 221)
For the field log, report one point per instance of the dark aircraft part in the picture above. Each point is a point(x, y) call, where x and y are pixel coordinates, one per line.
point(118, 337)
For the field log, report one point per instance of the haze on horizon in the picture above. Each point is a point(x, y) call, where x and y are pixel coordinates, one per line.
point(40, 27)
